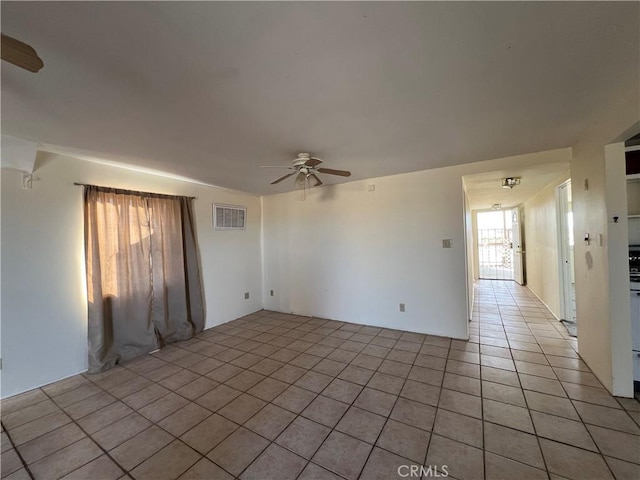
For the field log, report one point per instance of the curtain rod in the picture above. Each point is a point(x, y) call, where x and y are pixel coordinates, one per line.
point(135, 192)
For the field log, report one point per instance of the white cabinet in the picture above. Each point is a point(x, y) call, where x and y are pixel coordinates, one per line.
point(633, 210)
point(635, 319)
point(633, 196)
point(635, 333)
point(634, 230)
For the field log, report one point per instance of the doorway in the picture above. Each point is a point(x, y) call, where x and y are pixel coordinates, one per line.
point(566, 247)
point(495, 244)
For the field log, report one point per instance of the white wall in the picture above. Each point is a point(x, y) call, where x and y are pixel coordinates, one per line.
point(541, 240)
point(469, 239)
point(591, 266)
point(619, 287)
point(44, 322)
point(352, 254)
point(602, 327)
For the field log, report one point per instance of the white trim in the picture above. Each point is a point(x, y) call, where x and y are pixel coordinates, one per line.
point(45, 384)
point(542, 301)
point(263, 264)
point(560, 266)
point(477, 240)
point(469, 295)
point(563, 252)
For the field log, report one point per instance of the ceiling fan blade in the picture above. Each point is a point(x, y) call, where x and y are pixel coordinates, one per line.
point(318, 181)
point(20, 54)
point(283, 178)
point(331, 171)
point(312, 162)
point(277, 166)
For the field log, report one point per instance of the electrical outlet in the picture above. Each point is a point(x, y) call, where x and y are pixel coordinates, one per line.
point(447, 243)
point(402, 307)
point(246, 295)
point(272, 293)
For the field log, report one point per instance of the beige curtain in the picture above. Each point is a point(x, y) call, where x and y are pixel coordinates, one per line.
point(143, 276)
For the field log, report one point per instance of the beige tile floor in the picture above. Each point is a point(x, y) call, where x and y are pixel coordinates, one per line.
point(277, 396)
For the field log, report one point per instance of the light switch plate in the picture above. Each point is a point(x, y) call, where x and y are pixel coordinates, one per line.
point(447, 243)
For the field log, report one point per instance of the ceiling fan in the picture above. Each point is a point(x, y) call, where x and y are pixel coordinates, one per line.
point(20, 54)
point(305, 167)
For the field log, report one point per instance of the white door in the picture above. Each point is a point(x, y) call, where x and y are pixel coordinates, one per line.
point(495, 245)
point(518, 244)
point(565, 236)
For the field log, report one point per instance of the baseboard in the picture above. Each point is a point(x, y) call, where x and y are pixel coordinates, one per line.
point(543, 302)
point(45, 384)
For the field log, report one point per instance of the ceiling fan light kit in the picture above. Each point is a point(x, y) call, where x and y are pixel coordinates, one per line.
point(510, 182)
point(306, 168)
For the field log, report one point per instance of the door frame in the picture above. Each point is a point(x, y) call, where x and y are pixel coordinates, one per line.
point(564, 250)
point(476, 241)
point(520, 248)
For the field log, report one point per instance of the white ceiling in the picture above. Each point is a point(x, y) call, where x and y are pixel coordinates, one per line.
point(485, 189)
point(210, 90)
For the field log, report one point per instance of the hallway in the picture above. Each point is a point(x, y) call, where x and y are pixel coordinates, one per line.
point(575, 420)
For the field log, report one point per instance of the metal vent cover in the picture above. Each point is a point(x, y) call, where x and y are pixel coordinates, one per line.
point(229, 217)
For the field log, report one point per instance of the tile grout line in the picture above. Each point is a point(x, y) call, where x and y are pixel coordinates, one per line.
point(590, 435)
point(299, 353)
point(584, 424)
point(15, 448)
point(153, 423)
point(212, 413)
point(352, 405)
point(435, 416)
point(484, 454)
point(308, 461)
point(388, 417)
point(87, 436)
point(271, 403)
point(533, 425)
point(581, 420)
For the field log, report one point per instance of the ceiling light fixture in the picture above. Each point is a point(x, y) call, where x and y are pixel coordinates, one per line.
point(510, 182)
point(496, 206)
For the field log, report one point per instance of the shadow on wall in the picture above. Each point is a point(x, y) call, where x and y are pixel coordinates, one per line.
point(327, 193)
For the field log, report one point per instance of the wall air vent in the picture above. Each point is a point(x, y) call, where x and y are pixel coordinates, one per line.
point(229, 217)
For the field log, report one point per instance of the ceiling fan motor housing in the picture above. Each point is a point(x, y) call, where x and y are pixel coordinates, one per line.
point(302, 159)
